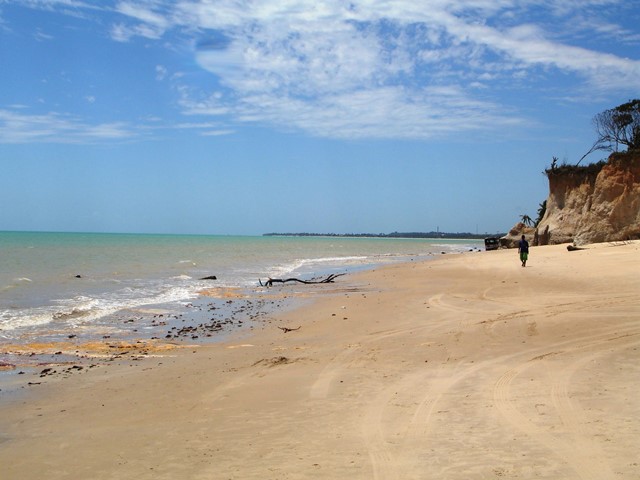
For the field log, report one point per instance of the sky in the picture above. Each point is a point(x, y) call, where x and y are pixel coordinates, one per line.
point(239, 117)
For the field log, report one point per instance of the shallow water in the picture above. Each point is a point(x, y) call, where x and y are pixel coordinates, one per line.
point(53, 285)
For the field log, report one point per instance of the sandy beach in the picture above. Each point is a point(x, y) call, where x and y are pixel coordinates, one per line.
point(463, 367)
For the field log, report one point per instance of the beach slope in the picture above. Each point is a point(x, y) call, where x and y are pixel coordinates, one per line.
point(467, 366)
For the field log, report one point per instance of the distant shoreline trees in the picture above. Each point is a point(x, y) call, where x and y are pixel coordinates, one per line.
point(430, 235)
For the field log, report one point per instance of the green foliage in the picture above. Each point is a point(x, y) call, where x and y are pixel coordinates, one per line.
point(575, 170)
point(630, 156)
point(542, 209)
point(619, 126)
point(526, 219)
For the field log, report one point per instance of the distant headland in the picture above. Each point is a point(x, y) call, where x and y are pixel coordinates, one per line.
point(450, 235)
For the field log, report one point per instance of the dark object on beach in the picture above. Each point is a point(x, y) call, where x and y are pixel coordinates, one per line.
point(491, 243)
point(273, 362)
point(78, 276)
point(287, 330)
point(329, 279)
point(210, 277)
point(573, 248)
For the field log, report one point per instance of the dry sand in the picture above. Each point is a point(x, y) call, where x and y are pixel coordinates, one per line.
point(465, 367)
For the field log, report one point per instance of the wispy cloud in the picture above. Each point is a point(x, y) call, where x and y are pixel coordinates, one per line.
point(363, 69)
point(68, 7)
point(161, 72)
point(380, 68)
point(218, 133)
point(40, 36)
point(22, 127)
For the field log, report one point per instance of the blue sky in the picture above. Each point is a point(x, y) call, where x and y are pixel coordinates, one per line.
point(245, 117)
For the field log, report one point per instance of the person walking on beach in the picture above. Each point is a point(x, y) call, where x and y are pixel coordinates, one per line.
point(523, 250)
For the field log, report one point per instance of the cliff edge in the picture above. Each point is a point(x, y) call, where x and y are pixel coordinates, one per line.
point(597, 203)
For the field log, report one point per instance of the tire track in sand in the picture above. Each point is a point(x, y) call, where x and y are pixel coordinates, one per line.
point(384, 451)
point(322, 385)
point(385, 463)
point(580, 452)
point(382, 461)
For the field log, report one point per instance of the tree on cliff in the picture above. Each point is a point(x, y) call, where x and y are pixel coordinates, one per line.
point(542, 209)
point(617, 126)
point(526, 219)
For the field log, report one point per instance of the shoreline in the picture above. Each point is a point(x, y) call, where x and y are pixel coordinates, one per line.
point(214, 315)
point(468, 366)
point(108, 286)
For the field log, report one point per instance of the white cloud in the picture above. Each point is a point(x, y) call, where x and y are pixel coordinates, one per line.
point(218, 133)
point(123, 33)
point(20, 127)
point(73, 8)
point(386, 112)
point(106, 131)
point(161, 72)
point(528, 45)
point(40, 36)
point(214, 104)
point(366, 70)
point(144, 15)
point(371, 68)
point(149, 24)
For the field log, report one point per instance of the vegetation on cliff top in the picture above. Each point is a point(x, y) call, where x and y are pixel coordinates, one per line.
point(616, 127)
point(565, 170)
point(619, 126)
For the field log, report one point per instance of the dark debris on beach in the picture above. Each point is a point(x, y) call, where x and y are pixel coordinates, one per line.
point(219, 318)
point(206, 320)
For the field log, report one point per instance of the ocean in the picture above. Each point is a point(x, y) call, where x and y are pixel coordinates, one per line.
point(59, 285)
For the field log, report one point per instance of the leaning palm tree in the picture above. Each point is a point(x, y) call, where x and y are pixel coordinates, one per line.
point(526, 219)
point(542, 209)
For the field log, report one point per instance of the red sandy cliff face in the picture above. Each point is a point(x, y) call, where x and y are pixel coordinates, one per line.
point(585, 207)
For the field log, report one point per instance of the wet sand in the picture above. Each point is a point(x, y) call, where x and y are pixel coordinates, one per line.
point(467, 366)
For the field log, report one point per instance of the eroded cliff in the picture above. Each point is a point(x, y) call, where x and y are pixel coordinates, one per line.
point(595, 204)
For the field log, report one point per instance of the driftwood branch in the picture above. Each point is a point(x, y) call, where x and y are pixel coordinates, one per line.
point(287, 330)
point(329, 279)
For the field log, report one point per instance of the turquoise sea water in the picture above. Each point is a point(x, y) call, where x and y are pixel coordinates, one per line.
point(64, 281)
